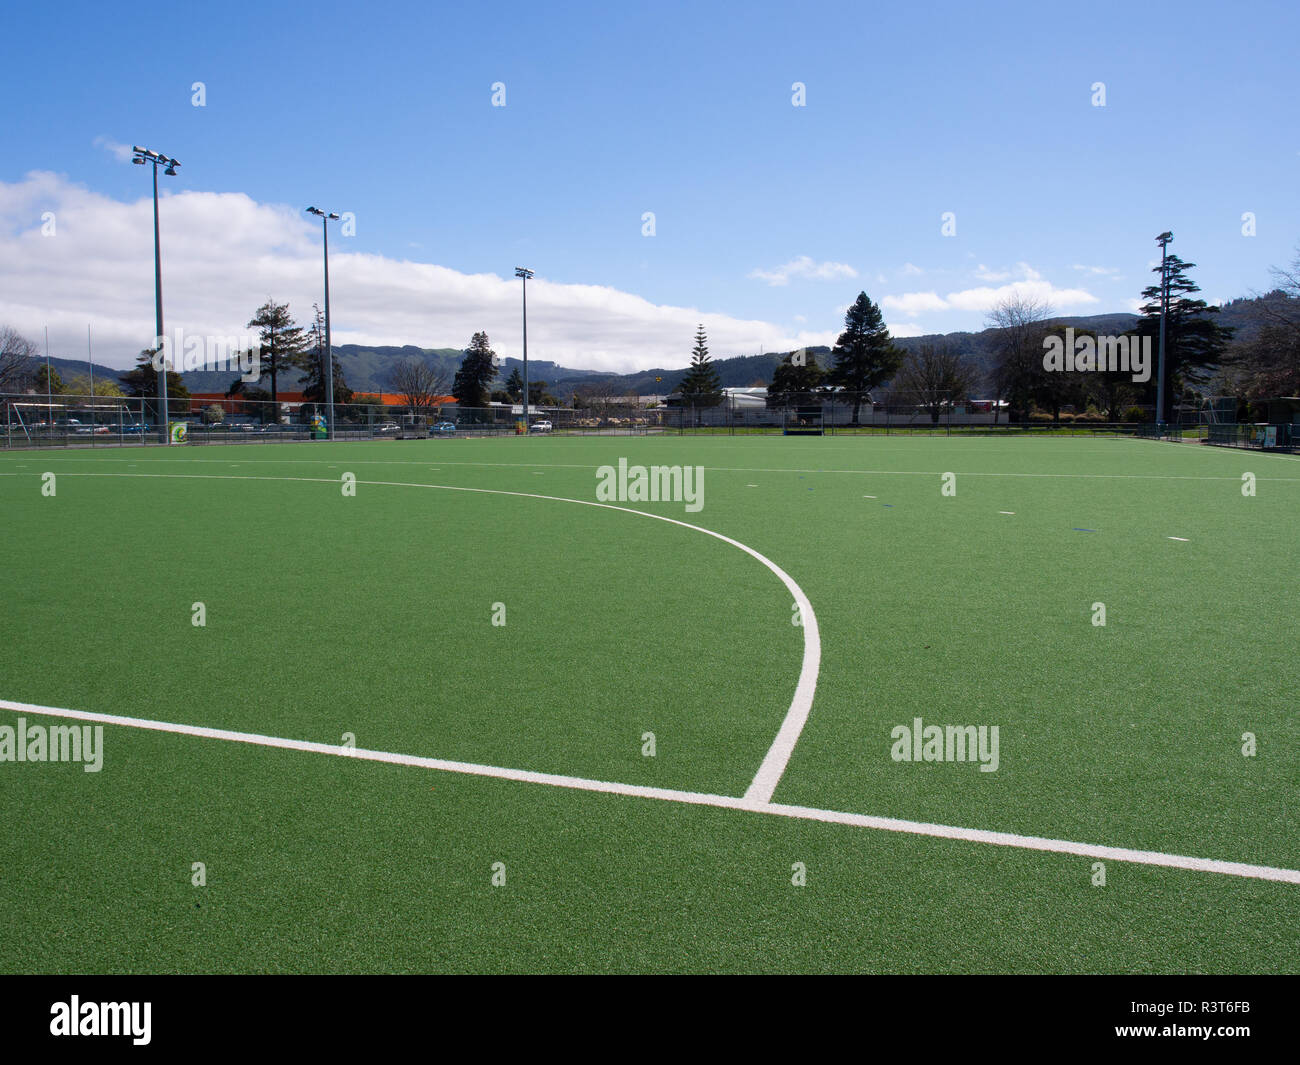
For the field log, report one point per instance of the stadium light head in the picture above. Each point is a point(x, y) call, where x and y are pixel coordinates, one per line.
point(138, 161)
point(523, 272)
point(170, 171)
point(314, 210)
point(332, 217)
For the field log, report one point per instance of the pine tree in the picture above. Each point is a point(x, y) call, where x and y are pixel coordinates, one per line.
point(283, 341)
point(865, 355)
point(701, 387)
point(1194, 341)
point(515, 385)
point(476, 373)
point(142, 382)
point(313, 365)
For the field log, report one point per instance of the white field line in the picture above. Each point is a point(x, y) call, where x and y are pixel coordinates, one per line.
point(71, 456)
point(695, 798)
point(778, 755)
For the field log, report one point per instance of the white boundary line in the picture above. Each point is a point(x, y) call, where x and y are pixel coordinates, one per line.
point(695, 798)
point(778, 755)
point(76, 456)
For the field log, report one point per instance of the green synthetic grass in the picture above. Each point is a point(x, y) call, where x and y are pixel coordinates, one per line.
point(372, 615)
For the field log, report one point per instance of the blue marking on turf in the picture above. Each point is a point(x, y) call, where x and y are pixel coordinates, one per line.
point(1085, 530)
point(886, 504)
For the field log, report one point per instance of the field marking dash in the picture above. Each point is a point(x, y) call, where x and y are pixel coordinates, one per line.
point(1181, 539)
point(1006, 511)
point(694, 798)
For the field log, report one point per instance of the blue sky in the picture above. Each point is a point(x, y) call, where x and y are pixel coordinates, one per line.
point(683, 110)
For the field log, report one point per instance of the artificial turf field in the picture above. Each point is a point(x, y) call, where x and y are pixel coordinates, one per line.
point(373, 615)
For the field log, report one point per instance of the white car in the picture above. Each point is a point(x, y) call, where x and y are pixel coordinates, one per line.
point(540, 427)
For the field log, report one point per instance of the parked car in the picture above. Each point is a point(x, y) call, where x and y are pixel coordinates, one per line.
point(387, 427)
point(540, 427)
point(442, 428)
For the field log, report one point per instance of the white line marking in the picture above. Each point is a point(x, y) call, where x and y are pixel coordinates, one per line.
point(868, 497)
point(695, 798)
point(102, 458)
point(1181, 539)
point(778, 755)
point(1006, 511)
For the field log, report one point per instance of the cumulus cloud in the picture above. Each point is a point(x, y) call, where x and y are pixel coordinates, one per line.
point(1030, 284)
point(906, 329)
point(224, 254)
point(804, 267)
point(914, 303)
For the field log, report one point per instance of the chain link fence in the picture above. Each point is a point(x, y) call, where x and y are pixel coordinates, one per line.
point(104, 421)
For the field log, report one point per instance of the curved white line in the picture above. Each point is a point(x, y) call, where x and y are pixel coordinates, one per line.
point(778, 755)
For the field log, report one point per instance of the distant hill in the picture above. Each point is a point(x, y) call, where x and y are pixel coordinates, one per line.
point(368, 369)
point(66, 368)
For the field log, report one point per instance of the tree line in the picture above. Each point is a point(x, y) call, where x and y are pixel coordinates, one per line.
point(1201, 359)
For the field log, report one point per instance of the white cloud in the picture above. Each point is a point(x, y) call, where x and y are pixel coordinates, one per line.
point(121, 152)
point(225, 254)
point(911, 270)
point(1029, 283)
point(804, 267)
point(1097, 271)
point(914, 303)
point(906, 329)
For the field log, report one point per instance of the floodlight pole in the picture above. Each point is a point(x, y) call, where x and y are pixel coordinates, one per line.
point(328, 368)
point(141, 156)
point(524, 274)
point(164, 428)
point(1163, 240)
